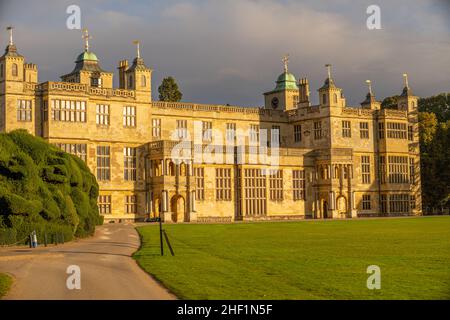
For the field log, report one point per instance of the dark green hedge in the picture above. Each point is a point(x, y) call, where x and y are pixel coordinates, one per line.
point(45, 189)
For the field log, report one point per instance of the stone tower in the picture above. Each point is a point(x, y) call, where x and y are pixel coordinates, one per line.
point(87, 69)
point(285, 96)
point(137, 77)
point(18, 79)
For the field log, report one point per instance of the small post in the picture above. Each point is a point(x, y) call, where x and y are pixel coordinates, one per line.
point(45, 238)
point(31, 240)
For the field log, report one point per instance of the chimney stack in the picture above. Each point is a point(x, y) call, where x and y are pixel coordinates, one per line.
point(303, 86)
point(123, 66)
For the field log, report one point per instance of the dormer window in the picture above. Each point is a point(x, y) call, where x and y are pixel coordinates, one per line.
point(324, 98)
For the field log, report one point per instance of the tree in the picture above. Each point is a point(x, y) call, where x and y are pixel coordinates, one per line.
point(44, 189)
point(435, 167)
point(440, 105)
point(389, 103)
point(427, 128)
point(168, 90)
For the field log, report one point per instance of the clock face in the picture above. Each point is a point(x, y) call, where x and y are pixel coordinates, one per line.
point(275, 103)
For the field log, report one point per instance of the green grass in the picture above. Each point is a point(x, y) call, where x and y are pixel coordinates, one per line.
point(5, 284)
point(303, 260)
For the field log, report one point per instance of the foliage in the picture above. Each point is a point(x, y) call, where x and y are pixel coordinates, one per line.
point(303, 260)
point(168, 90)
point(5, 284)
point(434, 129)
point(439, 105)
point(43, 189)
point(389, 103)
point(435, 161)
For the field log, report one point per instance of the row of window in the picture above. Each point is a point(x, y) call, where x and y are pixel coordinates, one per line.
point(182, 131)
point(104, 163)
point(363, 129)
point(105, 204)
point(398, 203)
point(103, 158)
point(398, 170)
point(252, 187)
point(75, 111)
point(396, 130)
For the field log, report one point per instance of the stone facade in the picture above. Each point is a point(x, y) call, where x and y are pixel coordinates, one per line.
point(333, 161)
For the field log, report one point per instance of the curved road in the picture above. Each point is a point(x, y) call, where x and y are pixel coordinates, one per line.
point(107, 269)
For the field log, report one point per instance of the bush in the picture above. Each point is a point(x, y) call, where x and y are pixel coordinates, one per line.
point(45, 190)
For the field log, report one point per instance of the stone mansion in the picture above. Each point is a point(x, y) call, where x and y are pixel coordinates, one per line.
point(320, 161)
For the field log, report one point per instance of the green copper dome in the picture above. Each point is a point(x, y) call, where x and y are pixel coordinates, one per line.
point(87, 55)
point(286, 81)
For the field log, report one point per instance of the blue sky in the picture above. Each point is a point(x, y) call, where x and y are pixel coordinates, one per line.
point(230, 51)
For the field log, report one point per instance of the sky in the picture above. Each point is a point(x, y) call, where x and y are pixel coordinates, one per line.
point(230, 51)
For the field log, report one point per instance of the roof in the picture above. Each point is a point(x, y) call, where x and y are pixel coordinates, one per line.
point(86, 61)
point(285, 81)
point(406, 92)
point(138, 64)
point(370, 98)
point(87, 55)
point(329, 83)
point(11, 51)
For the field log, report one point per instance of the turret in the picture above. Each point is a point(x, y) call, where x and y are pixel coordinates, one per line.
point(407, 101)
point(138, 76)
point(370, 102)
point(18, 105)
point(329, 94)
point(11, 63)
point(87, 69)
point(285, 96)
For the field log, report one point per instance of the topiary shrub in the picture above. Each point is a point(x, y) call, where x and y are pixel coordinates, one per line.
point(45, 190)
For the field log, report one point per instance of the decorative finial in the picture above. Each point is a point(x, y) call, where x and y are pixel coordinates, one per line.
point(136, 42)
point(10, 29)
point(405, 78)
point(369, 84)
point(328, 66)
point(285, 61)
point(86, 38)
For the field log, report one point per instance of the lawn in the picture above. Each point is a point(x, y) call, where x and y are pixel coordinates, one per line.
point(5, 284)
point(303, 260)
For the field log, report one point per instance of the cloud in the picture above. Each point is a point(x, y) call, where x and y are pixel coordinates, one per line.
point(230, 51)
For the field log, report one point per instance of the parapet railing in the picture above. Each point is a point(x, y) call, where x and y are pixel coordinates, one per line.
point(81, 88)
point(210, 107)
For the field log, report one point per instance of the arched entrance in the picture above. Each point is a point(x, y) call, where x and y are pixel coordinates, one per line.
point(177, 207)
point(325, 210)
